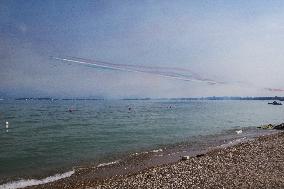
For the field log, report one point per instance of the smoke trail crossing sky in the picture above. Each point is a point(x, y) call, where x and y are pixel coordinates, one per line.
point(274, 90)
point(174, 73)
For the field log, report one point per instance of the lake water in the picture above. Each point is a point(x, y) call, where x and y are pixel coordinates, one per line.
point(44, 137)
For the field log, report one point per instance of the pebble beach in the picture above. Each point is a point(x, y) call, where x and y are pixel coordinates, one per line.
point(257, 163)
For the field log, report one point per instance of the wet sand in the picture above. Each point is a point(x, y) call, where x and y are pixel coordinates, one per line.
point(256, 163)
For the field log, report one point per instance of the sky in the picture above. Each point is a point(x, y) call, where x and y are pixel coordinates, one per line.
point(238, 44)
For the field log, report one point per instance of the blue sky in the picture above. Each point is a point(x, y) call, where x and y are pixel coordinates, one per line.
point(237, 42)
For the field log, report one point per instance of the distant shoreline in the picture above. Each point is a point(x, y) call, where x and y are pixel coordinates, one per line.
point(147, 98)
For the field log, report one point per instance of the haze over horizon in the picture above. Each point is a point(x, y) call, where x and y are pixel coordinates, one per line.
point(236, 43)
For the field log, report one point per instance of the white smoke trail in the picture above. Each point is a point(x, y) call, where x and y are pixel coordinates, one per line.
point(172, 73)
point(137, 69)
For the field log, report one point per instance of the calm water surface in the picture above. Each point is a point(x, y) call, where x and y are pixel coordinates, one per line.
point(44, 137)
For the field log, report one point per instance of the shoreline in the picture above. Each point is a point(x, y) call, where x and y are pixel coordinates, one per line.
point(84, 178)
point(255, 163)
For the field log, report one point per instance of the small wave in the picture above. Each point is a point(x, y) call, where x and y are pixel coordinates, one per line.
point(156, 151)
point(31, 182)
point(238, 140)
point(234, 142)
point(137, 154)
point(239, 131)
point(109, 163)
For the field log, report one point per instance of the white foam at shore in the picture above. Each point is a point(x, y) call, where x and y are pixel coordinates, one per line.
point(109, 163)
point(156, 151)
point(234, 142)
point(31, 182)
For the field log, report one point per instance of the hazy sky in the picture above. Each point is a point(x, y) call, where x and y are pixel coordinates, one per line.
point(237, 42)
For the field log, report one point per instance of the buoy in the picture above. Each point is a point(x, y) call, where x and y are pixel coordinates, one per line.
point(7, 124)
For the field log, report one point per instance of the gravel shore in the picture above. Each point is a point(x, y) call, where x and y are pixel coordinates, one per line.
point(252, 164)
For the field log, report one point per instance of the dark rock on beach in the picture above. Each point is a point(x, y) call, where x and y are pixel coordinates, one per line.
point(270, 126)
point(279, 127)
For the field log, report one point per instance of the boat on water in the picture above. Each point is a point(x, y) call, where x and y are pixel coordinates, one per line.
point(275, 103)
